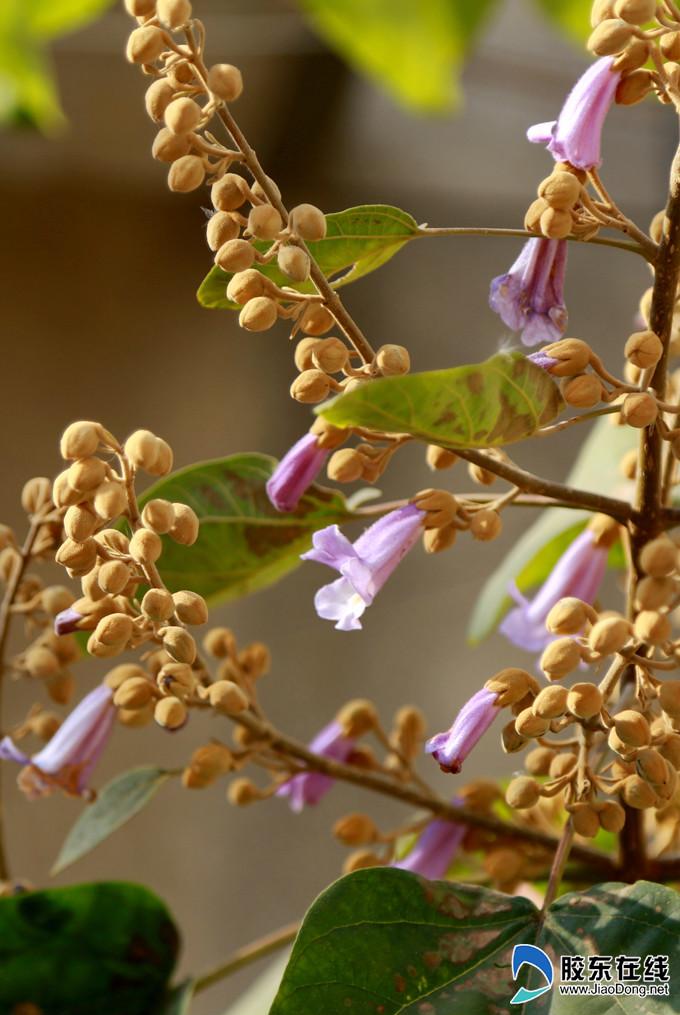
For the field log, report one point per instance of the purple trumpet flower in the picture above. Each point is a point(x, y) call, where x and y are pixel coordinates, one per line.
point(450, 749)
point(577, 573)
point(543, 360)
point(364, 566)
point(310, 787)
point(67, 761)
point(435, 849)
point(67, 621)
point(531, 296)
point(297, 469)
point(575, 136)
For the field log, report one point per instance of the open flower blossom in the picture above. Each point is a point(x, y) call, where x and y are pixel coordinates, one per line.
point(310, 787)
point(575, 136)
point(577, 573)
point(531, 295)
point(435, 849)
point(67, 761)
point(365, 565)
point(450, 749)
point(297, 469)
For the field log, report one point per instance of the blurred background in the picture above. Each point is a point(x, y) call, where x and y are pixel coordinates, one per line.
point(100, 265)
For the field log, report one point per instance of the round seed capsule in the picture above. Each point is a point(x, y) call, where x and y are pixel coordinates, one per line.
point(173, 13)
point(393, 360)
point(632, 728)
point(550, 702)
point(183, 115)
point(311, 386)
point(264, 222)
point(294, 263)
point(179, 644)
point(110, 500)
point(86, 474)
point(115, 629)
point(226, 696)
point(522, 792)
point(561, 657)
point(186, 173)
point(113, 576)
point(235, 255)
point(652, 627)
point(158, 515)
point(585, 820)
point(170, 713)
point(158, 97)
point(190, 607)
point(485, 525)
point(259, 314)
point(145, 45)
point(330, 355)
point(80, 440)
point(308, 222)
point(612, 816)
point(247, 285)
point(186, 526)
point(584, 700)
point(146, 546)
point(158, 605)
point(229, 192)
point(169, 147)
point(135, 692)
point(610, 37)
point(222, 227)
point(316, 319)
point(225, 81)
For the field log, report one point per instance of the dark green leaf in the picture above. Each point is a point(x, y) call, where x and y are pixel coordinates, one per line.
point(89, 949)
point(415, 51)
point(117, 802)
point(500, 401)
point(536, 552)
point(357, 241)
point(244, 544)
point(385, 940)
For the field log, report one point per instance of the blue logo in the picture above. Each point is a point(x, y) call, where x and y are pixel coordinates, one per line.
point(530, 955)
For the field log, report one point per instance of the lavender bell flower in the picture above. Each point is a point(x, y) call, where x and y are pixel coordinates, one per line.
point(67, 621)
point(450, 749)
point(297, 469)
point(577, 573)
point(575, 136)
point(310, 787)
point(531, 296)
point(364, 566)
point(435, 849)
point(67, 761)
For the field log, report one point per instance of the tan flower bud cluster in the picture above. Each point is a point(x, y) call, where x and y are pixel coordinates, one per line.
point(554, 213)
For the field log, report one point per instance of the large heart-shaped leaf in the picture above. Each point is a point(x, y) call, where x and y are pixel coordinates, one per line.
point(500, 401)
point(386, 940)
point(86, 950)
point(357, 241)
point(244, 543)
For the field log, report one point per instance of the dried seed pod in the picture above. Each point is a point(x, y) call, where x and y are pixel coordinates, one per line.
point(393, 360)
point(219, 642)
point(247, 285)
point(80, 440)
point(141, 449)
point(207, 765)
point(610, 37)
point(79, 558)
point(135, 692)
point(634, 87)
point(538, 761)
point(561, 657)
point(310, 386)
point(186, 173)
point(529, 725)
point(639, 409)
point(145, 45)
point(438, 540)
point(569, 616)
point(226, 696)
point(157, 605)
point(183, 115)
point(652, 767)
point(242, 792)
point(264, 222)
point(303, 353)
point(511, 685)
point(609, 635)
point(583, 391)
point(125, 671)
point(294, 263)
point(556, 223)
point(480, 475)
point(146, 546)
point(115, 629)
point(61, 687)
point(357, 717)
point(329, 354)
point(659, 557)
point(308, 222)
point(271, 187)
point(669, 698)
point(40, 661)
point(176, 679)
point(585, 820)
point(440, 458)
point(80, 522)
point(511, 740)
point(36, 494)
point(110, 500)
point(628, 464)
point(186, 526)
point(522, 792)
point(56, 598)
point(669, 749)
point(179, 644)
point(169, 147)
point(532, 219)
point(652, 627)
point(63, 494)
point(229, 192)
point(485, 525)
point(632, 728)
point(170, 713)
point(638, 793)
point(140, 8)
point(113, 541)
point(560, 190)
point(440, 505)
point(86, 474)
point(584, 700)
point(669, 43)
point(235, 255)
point(611, 816)
point(158, 515)
point(561, 765)
point(550, 702)
point(356, 830)
point(345, 465)
point(644, 349)
point(113, 576)
point(190, 607)
point(573, 354)
point(316, 319)
point(600, 11)
point(635, 12)
point(222, 227)
point(173, 13)
point(259, 314)
point(158, 97)
point(225, 81)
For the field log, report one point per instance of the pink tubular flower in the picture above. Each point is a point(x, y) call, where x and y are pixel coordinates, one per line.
point(450, 749)
point(297, 469)
point(365, 565)
point(435, 849)
point(310, 787)
point(67, 761)
point(531, 296)
point(575, 136)
point(578, 573)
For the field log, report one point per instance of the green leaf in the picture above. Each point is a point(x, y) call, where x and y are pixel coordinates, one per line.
point(414, 51)
point(86, 950)
point(27, 90)
point(500, 401)
point(244, 543)
point(534, 555)
point(571, 17)
point(117, 802)
point(386, 940)
point(357, 241)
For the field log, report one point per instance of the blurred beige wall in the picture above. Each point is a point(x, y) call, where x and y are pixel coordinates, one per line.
point(99, 321)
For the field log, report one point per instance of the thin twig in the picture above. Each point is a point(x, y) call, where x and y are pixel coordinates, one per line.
point(249, 953)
